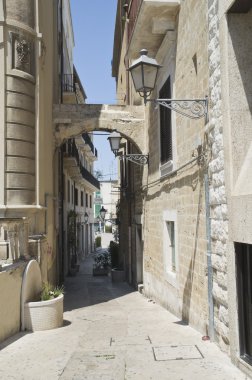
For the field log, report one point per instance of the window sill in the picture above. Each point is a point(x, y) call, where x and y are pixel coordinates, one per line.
point(166, 168)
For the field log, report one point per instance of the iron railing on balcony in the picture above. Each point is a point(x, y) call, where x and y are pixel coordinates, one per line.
point(89, 177)
point(73, 151)
point(132, 16)
point(88, 141)
point(68, 83)
point(72, 83)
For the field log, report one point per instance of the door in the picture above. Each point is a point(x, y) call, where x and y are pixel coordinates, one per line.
point(244, 288)
point(139, 255)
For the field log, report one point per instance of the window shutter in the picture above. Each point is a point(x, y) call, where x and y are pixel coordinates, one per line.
point(165, 125)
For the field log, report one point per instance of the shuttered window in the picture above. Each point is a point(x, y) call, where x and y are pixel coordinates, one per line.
point(165, 124)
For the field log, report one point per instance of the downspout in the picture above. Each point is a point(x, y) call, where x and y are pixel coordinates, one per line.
point(62, 217)
point(38, 55)
point(209, 260)
point(61, 51)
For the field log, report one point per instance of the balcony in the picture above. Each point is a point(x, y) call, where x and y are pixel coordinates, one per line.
point(85, 144)
point(149, 21)
point(76, 169)
point(89, 178)
point(72, 89)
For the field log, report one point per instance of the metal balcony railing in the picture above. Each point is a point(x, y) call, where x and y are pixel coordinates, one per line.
point(68, 83)
point(89, 177)
point(73, 151)
point(132, 16)
point(88, 141)
point(71, 83)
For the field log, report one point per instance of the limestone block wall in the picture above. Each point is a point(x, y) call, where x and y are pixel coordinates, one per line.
point(20, 103)
point(218, 198)
point(10, 295)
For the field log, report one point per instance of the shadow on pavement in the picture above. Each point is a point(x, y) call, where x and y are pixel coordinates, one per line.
point(85, 289)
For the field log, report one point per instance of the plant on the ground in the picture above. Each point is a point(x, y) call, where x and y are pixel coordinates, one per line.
point(98, 241)
point(102, 260)
point(114, 253)
point(50, 292)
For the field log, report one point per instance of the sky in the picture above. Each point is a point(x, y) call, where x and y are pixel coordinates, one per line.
point(93, 24)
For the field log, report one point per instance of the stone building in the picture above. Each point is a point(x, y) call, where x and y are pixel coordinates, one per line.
point(36, 72)
point(186, 216)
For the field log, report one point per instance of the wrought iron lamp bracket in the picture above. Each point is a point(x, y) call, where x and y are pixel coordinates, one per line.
point(140, 159)
point(192, 108)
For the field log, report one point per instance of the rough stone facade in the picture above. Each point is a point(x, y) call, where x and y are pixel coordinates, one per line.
point(179, 196)
point(218, 199)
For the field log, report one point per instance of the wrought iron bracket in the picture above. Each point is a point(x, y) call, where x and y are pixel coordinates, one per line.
point(192, 108)
point(140, 159)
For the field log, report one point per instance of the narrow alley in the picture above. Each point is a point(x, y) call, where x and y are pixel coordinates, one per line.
point(112, 332)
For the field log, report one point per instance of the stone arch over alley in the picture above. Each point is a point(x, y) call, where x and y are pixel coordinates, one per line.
point(73, 120)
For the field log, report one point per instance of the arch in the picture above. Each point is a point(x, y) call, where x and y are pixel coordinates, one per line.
point(73, 120)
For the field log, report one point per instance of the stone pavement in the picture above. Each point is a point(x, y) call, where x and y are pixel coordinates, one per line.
point(113, 333)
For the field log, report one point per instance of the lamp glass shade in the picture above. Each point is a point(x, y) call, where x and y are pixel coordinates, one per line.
point(86, 217)
point(144, 72)
point(103, 212)
point(114, 140)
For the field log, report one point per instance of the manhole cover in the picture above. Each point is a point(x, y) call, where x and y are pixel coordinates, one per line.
point(177, 353)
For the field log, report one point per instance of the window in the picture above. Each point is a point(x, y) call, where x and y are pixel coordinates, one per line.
point(82, 199)
point(166, 138)
point(90, 201)
point(86, 200)
point(170, 245)
point(68, 191)
point(76, 196)
point(165, 125)
point(171, 241)
point(72, 195)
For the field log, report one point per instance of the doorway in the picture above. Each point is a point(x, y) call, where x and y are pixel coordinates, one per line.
point(244, 289)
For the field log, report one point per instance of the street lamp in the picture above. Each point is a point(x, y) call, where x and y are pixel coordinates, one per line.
point(103, 213)
point(86, 217)
point(114, 140)
point(144, 71)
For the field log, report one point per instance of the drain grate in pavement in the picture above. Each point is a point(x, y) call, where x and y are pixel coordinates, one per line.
point(177, 353)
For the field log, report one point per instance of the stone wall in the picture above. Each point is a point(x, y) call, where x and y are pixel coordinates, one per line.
point(10, 296)
point(218, 199)
point(180, 195)
point(20, 104)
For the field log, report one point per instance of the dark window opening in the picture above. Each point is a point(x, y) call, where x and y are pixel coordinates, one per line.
point(82, 199)
point(76, 195)
point(244, 289)
point(68, 191)
point(165, 125)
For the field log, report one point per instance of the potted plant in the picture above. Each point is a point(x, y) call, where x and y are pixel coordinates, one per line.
point(47, 312)
point(117, 271)
point(102, 263)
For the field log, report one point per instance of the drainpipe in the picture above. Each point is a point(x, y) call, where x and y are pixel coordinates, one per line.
point(209, 260)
